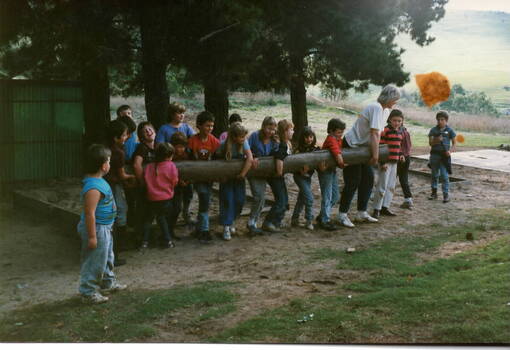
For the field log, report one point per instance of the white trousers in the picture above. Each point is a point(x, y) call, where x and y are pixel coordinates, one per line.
point(385, 187)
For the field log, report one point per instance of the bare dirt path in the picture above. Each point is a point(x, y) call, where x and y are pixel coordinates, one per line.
point(39, 258)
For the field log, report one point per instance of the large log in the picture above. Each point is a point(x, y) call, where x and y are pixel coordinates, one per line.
point(221, 170)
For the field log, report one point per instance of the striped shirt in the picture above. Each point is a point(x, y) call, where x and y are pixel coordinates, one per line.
point(392, 138)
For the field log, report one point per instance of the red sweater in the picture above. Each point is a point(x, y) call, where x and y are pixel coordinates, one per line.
point(333, 144)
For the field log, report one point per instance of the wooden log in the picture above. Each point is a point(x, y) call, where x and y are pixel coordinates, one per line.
point(221, 170)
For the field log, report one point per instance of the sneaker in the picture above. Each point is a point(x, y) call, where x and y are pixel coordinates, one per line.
point(328, 226)
point(433, 194)
point(376, 214)
point(407, 205)
point(115, 287)
point(294, 223)
point(343, 219)
point(145, 245)
point(363, 216)
point(226, 235)
point(232, 229)
point(309, 226)
point(95, 298)
point(253, 230)
point(169, 244)
point(387, 212)
point(446, 198)
point(269, 227)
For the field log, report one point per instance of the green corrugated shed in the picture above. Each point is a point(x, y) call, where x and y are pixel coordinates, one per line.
point(41, 130)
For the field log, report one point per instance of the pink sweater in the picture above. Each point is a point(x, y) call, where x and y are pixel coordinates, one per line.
point(160, 187)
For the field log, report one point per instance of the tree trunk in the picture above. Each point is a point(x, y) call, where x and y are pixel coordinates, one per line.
point(154, 62)
point(216, 102)
point(298, 95)
point(96, 101)
point(220, 170)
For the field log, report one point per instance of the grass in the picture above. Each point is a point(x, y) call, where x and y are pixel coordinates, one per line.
point(461, 299)
point(127, 317)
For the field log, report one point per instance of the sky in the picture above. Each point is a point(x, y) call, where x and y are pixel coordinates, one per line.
point(480, 5)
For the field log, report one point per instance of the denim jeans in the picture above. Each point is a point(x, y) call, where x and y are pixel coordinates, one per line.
point(258, 191)
point(330, 194)
point(232, 197)
point(122, 207)
point(281, 201)
point(163, 212)
point(96, 268)
point(203, 190)
point(181, 202)
point(358, 177)
point(439, 170)
point(305, 197)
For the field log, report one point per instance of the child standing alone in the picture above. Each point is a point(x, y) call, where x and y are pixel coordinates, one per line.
point(233, 192)
point(386, 182)
point(440, 137)
point(160, 178)
point(95, 229)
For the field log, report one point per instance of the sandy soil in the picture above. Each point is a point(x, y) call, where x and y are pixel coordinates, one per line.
point(39, 258)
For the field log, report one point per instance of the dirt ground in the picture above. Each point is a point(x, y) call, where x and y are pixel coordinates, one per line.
point(39, 258)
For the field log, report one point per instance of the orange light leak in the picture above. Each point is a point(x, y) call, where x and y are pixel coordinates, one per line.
point(460, 138)
point(434, 87)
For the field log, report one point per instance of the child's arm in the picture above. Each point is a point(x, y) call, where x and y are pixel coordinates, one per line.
point(340, 161)
point(247, 164)
point(92, 197)
point(454, 145)
point(279, 167)
point(137, 166)
point(125, 177)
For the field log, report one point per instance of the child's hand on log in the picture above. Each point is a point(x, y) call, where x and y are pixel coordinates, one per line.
point(322, 165)
point(305, 169)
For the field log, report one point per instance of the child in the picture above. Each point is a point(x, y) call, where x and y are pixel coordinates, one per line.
point(385, 187)
point(328, 179)
point(125, 115)
point(403, 169)
point(117, 134)
point(234, 118)
point(440, 137)
point(203, 145)
point(160, 178)
point(184, 190)
point(233, 192)
point(303, 179)
point(95, 227)
point(175, 123)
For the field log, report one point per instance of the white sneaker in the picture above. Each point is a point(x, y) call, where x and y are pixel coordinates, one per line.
point(363, 216)
point(232, 229)
point(309, 226)
point(95, 298)
point(344, 220)
point(115, 287)
point(226, 233)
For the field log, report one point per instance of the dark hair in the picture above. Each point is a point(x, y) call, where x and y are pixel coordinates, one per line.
point(234, 117)
point(122, 109)
point(307, 131)
point(442, 114)
point(95, 156)
point(163, 151)
point(115, 129)
point(204, 117)
point(174, 108)
point(395, 113)
point(179, 138)
point(335, 124)
point(130, 123)
point(139, 130)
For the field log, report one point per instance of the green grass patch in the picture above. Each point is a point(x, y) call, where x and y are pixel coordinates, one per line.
point(128, 316)
point(462, 299)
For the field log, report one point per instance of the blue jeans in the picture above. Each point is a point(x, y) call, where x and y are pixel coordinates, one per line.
point(96, 270)
point(281, 201)
point(258, 191)
point(439, 170)
point(305, 197)
point(358, 177)
point(204, 198)
point(328, 182)
point(163, 212)
point(121, 202)
point(232, 197)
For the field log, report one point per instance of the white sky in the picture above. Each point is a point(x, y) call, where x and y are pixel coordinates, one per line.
point(480, 5)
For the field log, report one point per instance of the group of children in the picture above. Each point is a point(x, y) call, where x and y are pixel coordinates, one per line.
point(130, 181)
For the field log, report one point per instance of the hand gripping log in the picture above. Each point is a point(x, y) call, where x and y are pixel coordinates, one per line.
point(221, 170)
